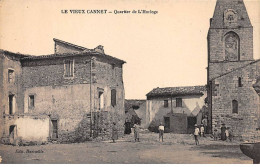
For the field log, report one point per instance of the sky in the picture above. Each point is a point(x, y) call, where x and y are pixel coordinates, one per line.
point(167, 49)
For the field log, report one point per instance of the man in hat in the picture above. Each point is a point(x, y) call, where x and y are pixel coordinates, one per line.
point(215, 134)
point(196, 134)
point(223, 130)
point(136, 132)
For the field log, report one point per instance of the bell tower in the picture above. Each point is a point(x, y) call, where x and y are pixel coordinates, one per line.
point(230, 45)
point(230, 38)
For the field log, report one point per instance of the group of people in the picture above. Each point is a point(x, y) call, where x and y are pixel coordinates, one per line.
point(199, 131)
point(136, 128)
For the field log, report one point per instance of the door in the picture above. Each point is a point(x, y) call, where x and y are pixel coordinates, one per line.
point(54, 129)
point(167, 124)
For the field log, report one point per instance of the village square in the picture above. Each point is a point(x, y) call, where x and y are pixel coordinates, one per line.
point(70, 106)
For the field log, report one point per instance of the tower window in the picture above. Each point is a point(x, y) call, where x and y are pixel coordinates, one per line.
point(234, 106)
point(232, 46)
point(239, 82)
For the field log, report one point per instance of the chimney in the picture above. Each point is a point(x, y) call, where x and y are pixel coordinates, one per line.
point(99, 49)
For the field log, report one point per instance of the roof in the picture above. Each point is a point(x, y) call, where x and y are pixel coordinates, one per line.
point(177, 91)
point(230, 6)
point(133, 102)
point(19, 55)
point(84, 52)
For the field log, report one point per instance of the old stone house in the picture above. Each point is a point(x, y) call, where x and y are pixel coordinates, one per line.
point(232, 70)
point(175, 107)
point(72, 95)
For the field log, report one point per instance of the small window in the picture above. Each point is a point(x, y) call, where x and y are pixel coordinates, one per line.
point(10, 76)
point(165, 103)
point(11, 104)
point(113, 97)
point(68, 68)
point(234, 106)
point(178, 102)
point(31, 101)
point(239, 82)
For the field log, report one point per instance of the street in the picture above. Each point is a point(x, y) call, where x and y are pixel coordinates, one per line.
point(176, 148)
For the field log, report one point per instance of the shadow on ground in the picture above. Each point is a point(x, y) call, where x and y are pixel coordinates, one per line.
point(222, 151)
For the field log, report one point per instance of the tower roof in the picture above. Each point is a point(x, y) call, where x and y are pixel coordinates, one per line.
point(230, 14)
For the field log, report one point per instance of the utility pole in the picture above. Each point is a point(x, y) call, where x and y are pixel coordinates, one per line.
point(90, 97)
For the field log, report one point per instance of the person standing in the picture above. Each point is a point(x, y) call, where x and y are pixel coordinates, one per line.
point(136, 132)
point(161, 130)
point(223, 134)
point(114, 132)
point(205, 123)
point(196, 134)
point(202, 130)
point(215, 134)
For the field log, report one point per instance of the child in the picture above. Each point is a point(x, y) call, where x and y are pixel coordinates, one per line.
point(196, 134)
point(227, 134)
point(114, 132)
point(215, 134)
point(161, 130)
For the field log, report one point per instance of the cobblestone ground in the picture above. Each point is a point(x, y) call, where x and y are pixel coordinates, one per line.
point(176, 148)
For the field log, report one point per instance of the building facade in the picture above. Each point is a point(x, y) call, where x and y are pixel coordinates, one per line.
point(72, 95)
point(176, 107)
point(232, 70)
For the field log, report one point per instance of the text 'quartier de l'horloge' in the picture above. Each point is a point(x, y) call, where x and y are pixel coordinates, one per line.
point(105, 11)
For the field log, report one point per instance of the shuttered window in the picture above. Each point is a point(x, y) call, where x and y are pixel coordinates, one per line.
point(68, 68)
point(113, 97)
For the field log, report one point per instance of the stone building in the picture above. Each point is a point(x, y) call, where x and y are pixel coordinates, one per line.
point(232, 70)
point(176, 107)
point(72, 95)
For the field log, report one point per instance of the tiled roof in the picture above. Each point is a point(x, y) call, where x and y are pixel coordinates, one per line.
point(14, 54)
point(177, 91)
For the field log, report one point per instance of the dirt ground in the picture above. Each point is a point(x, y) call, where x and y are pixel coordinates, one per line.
point(176, 148)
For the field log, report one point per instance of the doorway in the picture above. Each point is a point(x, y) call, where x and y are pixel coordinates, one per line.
point(54, 129)
point(167, 124)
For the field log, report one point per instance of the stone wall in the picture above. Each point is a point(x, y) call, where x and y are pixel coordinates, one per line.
point(224, 90)
point(9, 61)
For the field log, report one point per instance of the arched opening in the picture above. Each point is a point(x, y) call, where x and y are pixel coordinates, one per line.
point(232, 47)
point(234, 106)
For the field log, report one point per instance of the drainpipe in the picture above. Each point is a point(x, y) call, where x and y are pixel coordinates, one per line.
point(171, 104)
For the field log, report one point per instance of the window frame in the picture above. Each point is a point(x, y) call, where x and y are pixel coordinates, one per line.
point(71, 68)
point(234, 102)
point(165, 103)
point(29, 101)
point(10, 80)
point(113, 97)
point(178, 103)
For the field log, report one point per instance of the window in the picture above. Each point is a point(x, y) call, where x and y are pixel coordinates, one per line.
point(113, 97)
point(11, 104)
point(31, 101)
point(101, 100)
point(232, 47)
point(68, 68)
point(165, 103)
point(178, 102)
point(234, 106)
point(10, 76)
point(239, 82)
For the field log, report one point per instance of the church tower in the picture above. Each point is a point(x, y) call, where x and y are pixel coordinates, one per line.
point(230, 38)
point(230, 48)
